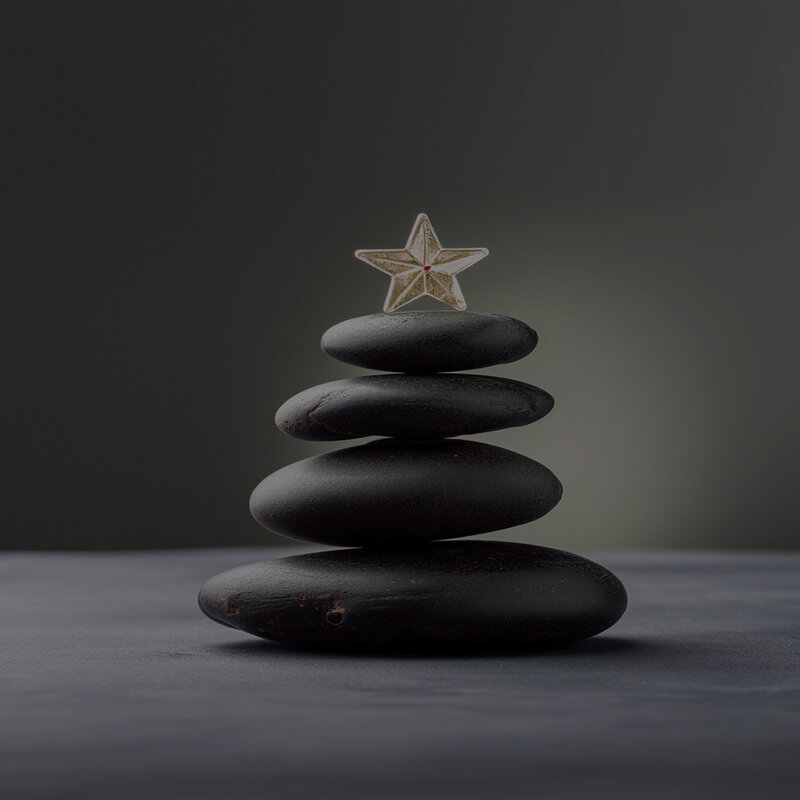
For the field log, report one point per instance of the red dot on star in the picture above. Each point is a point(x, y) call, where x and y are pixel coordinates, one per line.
point(426, 268)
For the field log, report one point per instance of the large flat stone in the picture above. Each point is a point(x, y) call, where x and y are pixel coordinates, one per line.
point(444, 595)
point(391, 492)
point(411, 407)
point(429, 341)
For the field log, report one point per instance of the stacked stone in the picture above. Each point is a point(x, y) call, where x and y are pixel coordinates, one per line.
point(390, 498)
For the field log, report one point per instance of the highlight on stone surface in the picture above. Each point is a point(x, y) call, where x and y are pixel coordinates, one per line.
point(423, 267)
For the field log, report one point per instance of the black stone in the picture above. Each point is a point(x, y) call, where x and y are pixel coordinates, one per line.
point(440, 596)
point(391, 492)
point(411, 407)
point(429, 341)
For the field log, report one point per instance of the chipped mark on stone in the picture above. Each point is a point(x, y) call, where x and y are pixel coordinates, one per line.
point(232, 611)
point(335, 614)
point(321, 402)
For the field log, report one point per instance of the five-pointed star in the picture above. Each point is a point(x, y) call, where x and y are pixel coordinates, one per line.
point(423, 267)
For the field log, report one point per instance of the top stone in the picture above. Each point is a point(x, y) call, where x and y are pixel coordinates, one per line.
point(429, 341)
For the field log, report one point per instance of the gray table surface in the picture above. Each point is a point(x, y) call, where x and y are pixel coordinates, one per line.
point(115, 686)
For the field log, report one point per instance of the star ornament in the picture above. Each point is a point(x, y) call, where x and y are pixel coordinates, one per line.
point(423, 267)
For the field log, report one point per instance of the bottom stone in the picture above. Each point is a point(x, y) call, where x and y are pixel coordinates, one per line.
point(443, 595)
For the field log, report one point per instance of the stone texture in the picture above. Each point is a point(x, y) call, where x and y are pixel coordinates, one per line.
point(429, 341)
point(411, 407)
point(391, 492)
point(443, 595)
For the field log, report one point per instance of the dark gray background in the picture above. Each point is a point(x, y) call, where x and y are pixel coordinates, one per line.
point(184, 184)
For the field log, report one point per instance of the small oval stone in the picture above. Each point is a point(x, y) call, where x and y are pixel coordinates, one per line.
point(429, 341)
point(391, 492)
point(411, 407)
point(439, 596)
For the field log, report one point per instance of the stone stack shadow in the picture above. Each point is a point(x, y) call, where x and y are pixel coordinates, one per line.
point(392, 497)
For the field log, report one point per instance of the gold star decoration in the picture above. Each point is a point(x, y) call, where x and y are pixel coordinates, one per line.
point(423, 267)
